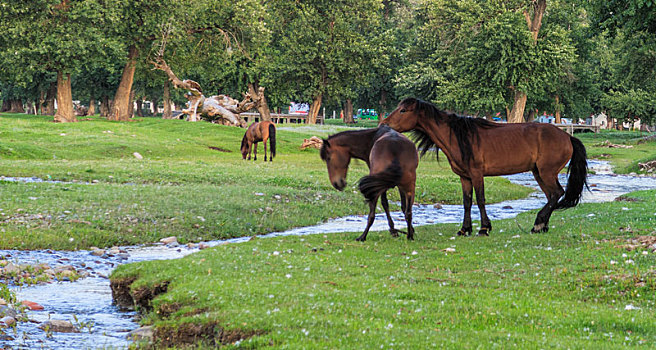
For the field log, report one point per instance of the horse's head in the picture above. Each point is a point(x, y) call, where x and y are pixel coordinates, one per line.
point(404, 117)
point(337, 160)
point(245, 147)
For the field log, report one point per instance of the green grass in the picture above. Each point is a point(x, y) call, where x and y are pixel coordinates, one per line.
point(568, 288)
point(182, 187)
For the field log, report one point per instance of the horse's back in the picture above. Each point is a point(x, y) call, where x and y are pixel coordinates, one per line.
point(393, 145)
point(520, 147)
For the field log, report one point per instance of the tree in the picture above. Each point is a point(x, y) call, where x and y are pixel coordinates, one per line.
point(70, 34)
point(323, 47)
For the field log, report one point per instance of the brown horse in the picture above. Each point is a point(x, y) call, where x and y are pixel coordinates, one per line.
point(392, 160)
point(476, 148)
point(261, 131)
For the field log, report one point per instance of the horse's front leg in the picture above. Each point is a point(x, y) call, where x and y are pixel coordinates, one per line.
point(255, 151)
point(466, 228)
point(250, 150)
point(383, 200)
point(370, 220)
point(479, 187)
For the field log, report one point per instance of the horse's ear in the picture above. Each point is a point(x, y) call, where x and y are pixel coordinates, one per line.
point(325, 143)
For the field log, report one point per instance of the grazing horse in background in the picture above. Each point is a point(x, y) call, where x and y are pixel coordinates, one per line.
point(392, 160)
point(477, 147)
point(256, 132)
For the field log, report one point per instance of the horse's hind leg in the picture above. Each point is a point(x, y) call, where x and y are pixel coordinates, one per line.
point(466, 228)
point(479, 187)
point(553, 190)
point(383, 200)
point(409, 201)
point(265, 149)
point(370, 220)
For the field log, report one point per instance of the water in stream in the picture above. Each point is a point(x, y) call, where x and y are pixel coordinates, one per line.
point(104, 326)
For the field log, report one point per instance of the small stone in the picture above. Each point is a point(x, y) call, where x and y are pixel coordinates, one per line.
point(143, 333)
point(32, 305)
point(8, 321)
point(11, 268)
point(169, 240)
point(437, 206)
point(59, 326)
point(203, 246)
point(7, 311)
point(97, 252)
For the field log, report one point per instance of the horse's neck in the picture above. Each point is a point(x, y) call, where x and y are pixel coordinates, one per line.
point(359, 146)
point(443, 138)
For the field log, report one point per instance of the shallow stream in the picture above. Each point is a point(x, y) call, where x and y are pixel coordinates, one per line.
point(87, 302)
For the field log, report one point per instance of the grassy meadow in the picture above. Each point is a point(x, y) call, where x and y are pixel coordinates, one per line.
point(191, 183)
point(588, 283)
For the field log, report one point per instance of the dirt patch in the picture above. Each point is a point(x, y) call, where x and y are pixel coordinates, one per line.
point(626, 199)
point(121, 292)
point(219, 149)
point(208, 334)
point(125, 298)
point(645, 242)
point(165, 310)
point(144, 295)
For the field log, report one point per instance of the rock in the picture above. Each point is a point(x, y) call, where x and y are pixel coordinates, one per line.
point(32, 305)
point(114, 251)
point(169, 240)
point(97, 252)
point(8, 321)
point(2, 302)
point(11, 268)
point(59, 326)
point(202, 246)
point(143, 333)
point(7, 311)
point(437, 206)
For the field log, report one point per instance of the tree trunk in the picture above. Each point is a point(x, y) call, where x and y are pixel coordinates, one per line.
point(534, 23)
point(382, 103)
point(348, 112)
point(260, 101)
point(104, 106)
point(131, 104)
point(517, 113)
point(166, 97)
point(48, 106)
point(65, 112)
point(314, 110)
point(557, 112)
point(92, 107)
point(531, 115)
point(139, 103)
point(120, 110)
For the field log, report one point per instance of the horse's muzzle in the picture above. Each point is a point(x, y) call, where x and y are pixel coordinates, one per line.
point(339, 184)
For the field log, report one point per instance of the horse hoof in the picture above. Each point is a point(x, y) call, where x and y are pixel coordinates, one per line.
point(361, 239)
point(540, 228)
point(463, 233)
point(394, 233)
point(484, 231)
point(411, 237)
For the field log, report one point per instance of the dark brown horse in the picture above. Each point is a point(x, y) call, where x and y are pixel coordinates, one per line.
point(392, 160)
point(476, 148)
point(261, 131)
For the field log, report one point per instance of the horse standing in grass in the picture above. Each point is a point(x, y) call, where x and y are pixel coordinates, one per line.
point(392, 160)
point(477, 147)
point(256, 132)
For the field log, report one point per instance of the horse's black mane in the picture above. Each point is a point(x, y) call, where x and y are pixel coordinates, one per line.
point(367, 134)
point(465, 129)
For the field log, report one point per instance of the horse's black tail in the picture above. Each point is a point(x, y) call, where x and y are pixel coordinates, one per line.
point(577, 176)
point(374, 185)
point(272, 139)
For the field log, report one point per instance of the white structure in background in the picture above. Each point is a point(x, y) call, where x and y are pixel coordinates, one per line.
point(600, 120)
point(150, 106)
point(299, 108)
point(550, 119)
